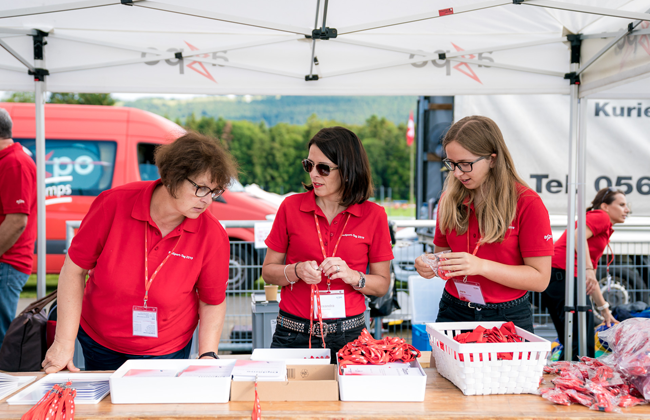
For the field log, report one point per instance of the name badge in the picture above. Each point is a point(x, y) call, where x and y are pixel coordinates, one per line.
point(470, 292)
point(332, 304)
point(145, 321)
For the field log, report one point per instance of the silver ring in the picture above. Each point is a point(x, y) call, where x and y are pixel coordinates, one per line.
point(338, 268)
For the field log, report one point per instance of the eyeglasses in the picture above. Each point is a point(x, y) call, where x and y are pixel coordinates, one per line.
point(463, 166)
point(202, 191)
point(321, 168)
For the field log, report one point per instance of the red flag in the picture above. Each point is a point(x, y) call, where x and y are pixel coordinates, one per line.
point(410, 132)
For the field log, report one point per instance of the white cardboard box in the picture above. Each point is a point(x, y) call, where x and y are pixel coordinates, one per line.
point(33, 393)
point(171, 390)
point(294, 356)
point(382, 388)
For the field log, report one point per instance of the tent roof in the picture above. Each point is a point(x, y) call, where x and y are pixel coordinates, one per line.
point(383, 47)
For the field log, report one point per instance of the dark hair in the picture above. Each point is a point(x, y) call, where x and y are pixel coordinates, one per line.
point(345, 150)
point(194, 154)
point(5, 124)
point(606, 196)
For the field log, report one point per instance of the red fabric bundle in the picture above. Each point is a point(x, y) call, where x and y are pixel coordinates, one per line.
point(56, 404)
point(506, 334)
point(367, 350)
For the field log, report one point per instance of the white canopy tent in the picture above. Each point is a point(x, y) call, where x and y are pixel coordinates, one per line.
point(353, 47)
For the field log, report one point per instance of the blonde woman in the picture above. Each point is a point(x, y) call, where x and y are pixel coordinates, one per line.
point(497, 229)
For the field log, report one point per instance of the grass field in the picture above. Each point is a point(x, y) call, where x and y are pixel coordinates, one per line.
point(400, 211)
point(29, 291)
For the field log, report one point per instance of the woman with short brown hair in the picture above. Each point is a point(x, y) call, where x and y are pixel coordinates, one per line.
point(329, 247)
point(157, 262)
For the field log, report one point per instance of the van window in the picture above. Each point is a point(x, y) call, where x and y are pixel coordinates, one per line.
point(89, 163)
point(148, 170)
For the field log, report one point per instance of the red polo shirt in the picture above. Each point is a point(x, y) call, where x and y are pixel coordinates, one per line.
point(18, 195)
point(601, 226)
point(529, 235)
point(366, 239)
point(111, 241)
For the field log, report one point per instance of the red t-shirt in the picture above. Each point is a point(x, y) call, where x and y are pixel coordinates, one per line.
point(366, 239)
point(111, 241)
point(601, 226)
point(18, 195)
point(529, 235)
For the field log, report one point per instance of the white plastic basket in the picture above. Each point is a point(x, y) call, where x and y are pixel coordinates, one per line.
point(478, 371)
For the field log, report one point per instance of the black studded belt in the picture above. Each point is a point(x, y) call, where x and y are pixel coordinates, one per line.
point(330, 326)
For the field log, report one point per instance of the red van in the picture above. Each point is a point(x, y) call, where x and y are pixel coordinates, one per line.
point(90, 149)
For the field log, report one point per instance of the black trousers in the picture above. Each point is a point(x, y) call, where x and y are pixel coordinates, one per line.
point(286, 338)
point(554, 299)
point(452, 309)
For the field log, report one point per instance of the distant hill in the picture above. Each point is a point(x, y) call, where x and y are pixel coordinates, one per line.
point(287, 109)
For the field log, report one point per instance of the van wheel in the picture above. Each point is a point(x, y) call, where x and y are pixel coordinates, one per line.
point(244, 269)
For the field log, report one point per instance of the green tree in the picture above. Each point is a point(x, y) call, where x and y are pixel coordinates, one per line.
point(82, 98)
point(21, 97)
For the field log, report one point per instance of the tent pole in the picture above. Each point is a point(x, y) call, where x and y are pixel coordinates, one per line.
point(40, 186)
point(582, 231)
point(570, 228)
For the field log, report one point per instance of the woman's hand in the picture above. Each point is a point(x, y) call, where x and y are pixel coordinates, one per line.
point(59, 357)
point(608, 318)
point(423, 268)
point(336, 268)
point(308, 272)
point(460, 264)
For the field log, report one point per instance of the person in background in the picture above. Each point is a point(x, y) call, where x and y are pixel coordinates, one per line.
point(157, 263)
point(332, 238)
point(608, 208)
point(17, 221)
point(498, 231)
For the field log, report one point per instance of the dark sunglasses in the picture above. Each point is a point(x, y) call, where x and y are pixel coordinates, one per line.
point(321, 168)
point(202, 191)
point(610, 190)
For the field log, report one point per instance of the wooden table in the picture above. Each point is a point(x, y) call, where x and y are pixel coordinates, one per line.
point(443, 401)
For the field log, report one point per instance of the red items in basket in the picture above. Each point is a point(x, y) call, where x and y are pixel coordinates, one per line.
point(506, 334)
point(367, 350)
point(56, 404)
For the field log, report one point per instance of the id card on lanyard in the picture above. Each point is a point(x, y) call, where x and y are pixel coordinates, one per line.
point(470, 291)
point(145, 318)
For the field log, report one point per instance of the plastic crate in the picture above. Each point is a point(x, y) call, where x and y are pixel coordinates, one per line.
point(420, 338)
point(475, 369)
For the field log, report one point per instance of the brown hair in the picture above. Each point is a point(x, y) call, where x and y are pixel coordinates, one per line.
point(482, 137)
point(345, 150)
point(604, 196)
point(194, 154)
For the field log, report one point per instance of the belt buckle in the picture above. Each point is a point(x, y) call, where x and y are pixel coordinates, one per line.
point(316, 330)
point(469, 305)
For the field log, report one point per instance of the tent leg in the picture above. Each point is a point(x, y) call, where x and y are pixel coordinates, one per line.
point(582, 231)
point(570, 229)
point(40, 186)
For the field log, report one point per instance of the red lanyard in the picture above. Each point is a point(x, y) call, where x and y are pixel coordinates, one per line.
point(322, 246)
point(611, 253)
point(314, 288)
point(147, 280)
point(475, 249)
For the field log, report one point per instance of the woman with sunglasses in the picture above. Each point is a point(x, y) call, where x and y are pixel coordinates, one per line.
point(156, 262)
point(329, 247)
point(497, 229)
point(608, 208)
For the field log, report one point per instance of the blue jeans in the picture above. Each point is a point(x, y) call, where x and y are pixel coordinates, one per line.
point(98, 357)
point(11, 284)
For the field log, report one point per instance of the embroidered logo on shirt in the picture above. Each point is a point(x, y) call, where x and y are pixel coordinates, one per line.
point(511, 227)
point(20, 201)
point(187, 257)
point(353, 235)
point(547, 237)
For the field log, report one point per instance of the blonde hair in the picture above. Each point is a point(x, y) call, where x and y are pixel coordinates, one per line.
point(482, 137)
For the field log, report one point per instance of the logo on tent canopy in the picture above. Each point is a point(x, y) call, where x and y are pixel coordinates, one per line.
point(463, 68)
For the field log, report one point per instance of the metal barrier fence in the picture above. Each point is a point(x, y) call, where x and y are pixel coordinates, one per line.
point(629, 268)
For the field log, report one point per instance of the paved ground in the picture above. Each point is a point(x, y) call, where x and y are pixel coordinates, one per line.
point(23, 303)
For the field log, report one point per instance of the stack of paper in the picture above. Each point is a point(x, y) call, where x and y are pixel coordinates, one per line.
point(251, 370)
point(152, 373)
point(91, 388)
point(198, 371)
